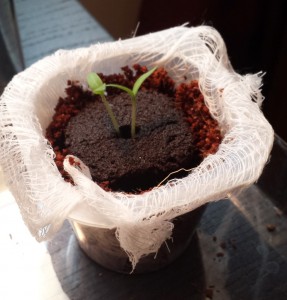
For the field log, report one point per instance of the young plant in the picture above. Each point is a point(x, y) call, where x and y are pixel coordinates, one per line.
point(98, 87)
point(133, 92)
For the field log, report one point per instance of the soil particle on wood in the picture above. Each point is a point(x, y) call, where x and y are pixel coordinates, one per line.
point(223, 245)
point(271, 227)
point(219, 254)
point(209, 293)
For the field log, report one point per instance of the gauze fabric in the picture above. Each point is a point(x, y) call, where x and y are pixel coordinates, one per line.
point(142, 222)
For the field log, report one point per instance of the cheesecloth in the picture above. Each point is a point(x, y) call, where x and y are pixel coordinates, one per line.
point(142, 221)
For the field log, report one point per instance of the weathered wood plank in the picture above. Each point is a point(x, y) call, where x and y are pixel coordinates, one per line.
point(46, 26)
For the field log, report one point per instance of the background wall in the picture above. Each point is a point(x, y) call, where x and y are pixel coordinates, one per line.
point(119, 17)
point(255, 33)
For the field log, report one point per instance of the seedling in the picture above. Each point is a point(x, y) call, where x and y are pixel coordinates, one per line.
point(99, 88)
point(133, 92)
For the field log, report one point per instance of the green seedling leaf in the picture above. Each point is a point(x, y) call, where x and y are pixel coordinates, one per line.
point(96, 84)
point(133, 94)
point(100, 90)
point(141, 79)
point(98, 87)
point(121, 87)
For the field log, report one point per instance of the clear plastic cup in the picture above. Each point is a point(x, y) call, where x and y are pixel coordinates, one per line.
point(102, 246)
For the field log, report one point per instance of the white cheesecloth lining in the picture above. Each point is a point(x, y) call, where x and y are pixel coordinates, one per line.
point(46, 200)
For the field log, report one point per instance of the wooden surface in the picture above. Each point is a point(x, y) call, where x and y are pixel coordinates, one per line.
point(10, 35)
point(233, 255)
point(46, 26)
point(11, 60)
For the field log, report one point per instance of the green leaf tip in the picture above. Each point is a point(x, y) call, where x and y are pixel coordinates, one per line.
point(96, 84)
point(141, 79)
point(98, 87)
